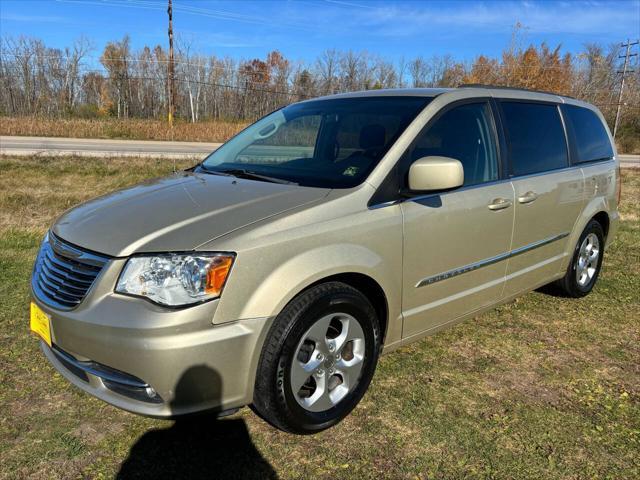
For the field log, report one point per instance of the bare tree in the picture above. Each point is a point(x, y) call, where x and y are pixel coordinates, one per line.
point(116, 60)
point(327, 68)
point(419, 70)
point(192, 69)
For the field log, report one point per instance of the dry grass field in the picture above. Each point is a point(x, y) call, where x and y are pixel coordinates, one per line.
point(541, 388)
point(129, 129)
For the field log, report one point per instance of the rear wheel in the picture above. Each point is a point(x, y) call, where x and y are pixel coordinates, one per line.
point(585, 265)
point(318, 359)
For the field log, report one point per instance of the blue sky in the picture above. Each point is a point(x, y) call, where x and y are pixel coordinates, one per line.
point(301, 29)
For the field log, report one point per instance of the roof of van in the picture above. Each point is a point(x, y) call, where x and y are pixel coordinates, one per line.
point(495, 91)
point(390, 92)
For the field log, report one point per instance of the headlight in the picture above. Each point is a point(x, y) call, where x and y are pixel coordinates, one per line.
point(176, 279)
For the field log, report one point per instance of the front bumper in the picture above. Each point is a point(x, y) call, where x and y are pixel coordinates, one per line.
point(128, 345)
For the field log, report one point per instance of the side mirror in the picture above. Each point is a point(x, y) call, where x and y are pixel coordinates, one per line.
point(435, 173)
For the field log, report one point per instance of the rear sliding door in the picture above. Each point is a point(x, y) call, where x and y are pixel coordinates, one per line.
point(549, 194)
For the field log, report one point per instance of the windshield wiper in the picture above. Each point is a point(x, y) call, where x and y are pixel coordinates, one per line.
point(204, 169)
point(242, 173)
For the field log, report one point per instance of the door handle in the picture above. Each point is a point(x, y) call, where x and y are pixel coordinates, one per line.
point(499, 204)
point(528, 197)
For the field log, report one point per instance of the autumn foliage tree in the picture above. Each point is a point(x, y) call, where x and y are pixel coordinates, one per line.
point(123, 82)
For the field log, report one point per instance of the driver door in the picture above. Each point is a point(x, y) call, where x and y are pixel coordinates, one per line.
point(456, 243)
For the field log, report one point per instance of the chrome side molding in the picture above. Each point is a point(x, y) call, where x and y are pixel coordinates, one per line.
point(489, 261)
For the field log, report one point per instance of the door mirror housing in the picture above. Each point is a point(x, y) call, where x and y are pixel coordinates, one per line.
point(435, 173)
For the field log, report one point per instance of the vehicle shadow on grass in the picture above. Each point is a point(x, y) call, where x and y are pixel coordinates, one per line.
point(197, 447)
point(552, 290)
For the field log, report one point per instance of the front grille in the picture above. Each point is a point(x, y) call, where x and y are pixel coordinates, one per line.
point(64, 273)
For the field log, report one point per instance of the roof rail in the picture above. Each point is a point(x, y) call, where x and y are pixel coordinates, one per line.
point(500, 87)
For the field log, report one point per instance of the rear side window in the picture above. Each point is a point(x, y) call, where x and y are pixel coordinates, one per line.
point(535, 136)
point(591, 139)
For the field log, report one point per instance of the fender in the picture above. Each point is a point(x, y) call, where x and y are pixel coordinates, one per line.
point(301, 271)
point(269, 291)
point(592, 208)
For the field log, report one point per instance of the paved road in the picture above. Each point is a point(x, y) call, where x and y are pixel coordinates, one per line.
point(103, 148)
point(629, 161)
point(137, 148)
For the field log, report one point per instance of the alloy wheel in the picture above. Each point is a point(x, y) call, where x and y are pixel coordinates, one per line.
point(328, 362)
point(587, 261)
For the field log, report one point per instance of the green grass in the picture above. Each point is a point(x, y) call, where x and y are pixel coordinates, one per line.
point(542, 388)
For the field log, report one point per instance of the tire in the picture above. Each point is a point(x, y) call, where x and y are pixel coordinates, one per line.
point(339, 364)
point(582, 273)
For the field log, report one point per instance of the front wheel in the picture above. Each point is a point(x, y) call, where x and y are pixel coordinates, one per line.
point(318, 359)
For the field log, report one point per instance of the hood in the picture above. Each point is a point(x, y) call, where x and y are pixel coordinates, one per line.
point(176, 213)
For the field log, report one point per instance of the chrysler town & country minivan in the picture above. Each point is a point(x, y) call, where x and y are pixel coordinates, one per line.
point(273, 273)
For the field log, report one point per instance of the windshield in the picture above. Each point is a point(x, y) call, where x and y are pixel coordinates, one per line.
point(323, 143)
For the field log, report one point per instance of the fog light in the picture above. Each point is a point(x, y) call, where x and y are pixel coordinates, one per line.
point(151, 393)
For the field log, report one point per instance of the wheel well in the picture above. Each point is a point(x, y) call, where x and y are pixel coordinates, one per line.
point(603, 219)
point(370, 289)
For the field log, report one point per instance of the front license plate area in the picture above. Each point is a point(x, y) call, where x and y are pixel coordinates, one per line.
point(40, 323)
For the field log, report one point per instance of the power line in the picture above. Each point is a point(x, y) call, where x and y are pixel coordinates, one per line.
point(213, 84)
point(17, 74)
point(280, 92)
point(207, 66)
point(240, 77)
point(150, 62)
point(222, 67)
point(190, 10)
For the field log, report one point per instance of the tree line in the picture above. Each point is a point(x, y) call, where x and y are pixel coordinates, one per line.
point(123, 82)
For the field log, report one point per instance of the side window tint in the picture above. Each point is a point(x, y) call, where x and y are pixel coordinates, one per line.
point(592, 141)
point(535, 137)
point(464, 133)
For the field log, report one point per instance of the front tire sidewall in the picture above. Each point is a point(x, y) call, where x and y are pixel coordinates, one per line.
point(302, 420)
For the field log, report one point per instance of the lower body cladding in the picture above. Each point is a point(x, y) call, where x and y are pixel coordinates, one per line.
point(179, 372)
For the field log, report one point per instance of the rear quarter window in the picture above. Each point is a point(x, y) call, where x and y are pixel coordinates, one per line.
point(535, 137)
point(590, 136)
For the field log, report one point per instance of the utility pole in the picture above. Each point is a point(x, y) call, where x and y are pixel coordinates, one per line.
point(626, 56)
point(171, 70)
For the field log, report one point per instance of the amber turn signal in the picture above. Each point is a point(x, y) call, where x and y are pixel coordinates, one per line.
point(217, 274)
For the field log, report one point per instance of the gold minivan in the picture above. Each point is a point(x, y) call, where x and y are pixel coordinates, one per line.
point(275, 272)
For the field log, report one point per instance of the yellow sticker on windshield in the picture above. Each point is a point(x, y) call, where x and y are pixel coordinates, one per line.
point(350, 171)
